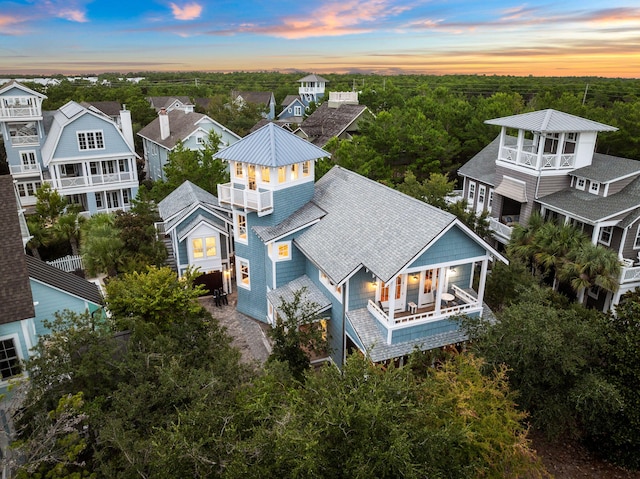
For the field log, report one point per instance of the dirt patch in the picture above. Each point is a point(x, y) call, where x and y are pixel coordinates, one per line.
point(567, 460)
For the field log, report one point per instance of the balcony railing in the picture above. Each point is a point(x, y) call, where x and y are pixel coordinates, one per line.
point(111, 178)
point(25, 170)
point(468, 303)
point(24, 140)
point(500, 230)
point(252, 200)
point(529, 158)
point(629, 274)
point(19, 111)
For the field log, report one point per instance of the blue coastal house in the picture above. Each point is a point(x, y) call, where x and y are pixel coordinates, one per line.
point(82, 152)
point(31, 290)
point(311, 89)
point(386, 271)
point(199, 232)
point(191, 129)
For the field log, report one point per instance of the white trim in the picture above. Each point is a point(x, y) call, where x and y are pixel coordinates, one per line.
point(239, 282)
point(18, 347)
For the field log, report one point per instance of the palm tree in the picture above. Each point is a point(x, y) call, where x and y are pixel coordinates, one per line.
point(40, 235)
point(67, 227)
point(591, 265)
point(101, 247)
point(552, 243)
point(521, 244)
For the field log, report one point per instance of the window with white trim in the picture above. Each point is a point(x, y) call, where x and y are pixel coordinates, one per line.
point(28, 160)
point(238, 169)
point(490, 202)
point(10, 365)
point(99, 202)
point(200, 140)
point(297, 110)
point(280, 251)
point(241, 228)
point(265, 174)
point(594, 187)
point(243, 273)
point(204, 247)
point(606, 232)
point(580, 183)
point(472, 193)
point(90, 140)
point(636, 242)
point(28, 188)
point(294, 171)
point(306, 168)
point(282, 174)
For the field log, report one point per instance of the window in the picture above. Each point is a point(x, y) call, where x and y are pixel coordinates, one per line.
point(113, 199)
point(9, 359)
point(594, 187)
point(294, 171)
point(282, 174)
point(605, 235)
point(108, 167)
point(93, 167)
point(580, 183)
point(125, 196)
point(482, 190)
point(570, 140)
point(199, 140)
point(266, 174)
point(29, 160)
point(99, 202)
point(123, 165)
point(636, 243)
point(90, 140)
point(204, 247)
point(244, 278)
point(297, 110)
point(490, 202)
point(306, 168)
point(28, 189)
point(198, 250)
point(242, 227)
point(384, 290)
point(238, 169)
point(472, 193)
point(280, 251)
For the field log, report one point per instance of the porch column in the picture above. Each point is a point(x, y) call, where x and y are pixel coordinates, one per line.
point(503, 132)
point(541, 140)
point(392, 300)
point(483, 279)
point(519, 146)
point(442, 278)
point(560, 149)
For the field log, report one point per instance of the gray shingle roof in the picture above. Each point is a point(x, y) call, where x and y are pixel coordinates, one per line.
point(69, 282)
point(271, 146)
point(181, 125)
point(16, 302)
point(304, 216)
point(549, 121)
point(289, 99)
point(181, 199)
point(159, 102)
point(607, 168)
point(313, 77)
point(593, 207)
point(482, 167)
point(109, 108)
point(312, 293)
point(256, 97)
point(326, 123)
point(375, 343)
point(368, 224)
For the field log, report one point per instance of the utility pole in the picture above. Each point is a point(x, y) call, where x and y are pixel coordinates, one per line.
point(584, 98)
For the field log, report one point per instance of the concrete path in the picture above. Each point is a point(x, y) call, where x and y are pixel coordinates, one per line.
point(249, 335)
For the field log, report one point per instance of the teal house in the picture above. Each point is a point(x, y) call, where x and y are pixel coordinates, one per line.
point(386, 271)
point(31, 291)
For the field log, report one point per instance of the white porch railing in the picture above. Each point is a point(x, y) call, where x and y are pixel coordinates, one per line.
point(529, 158)
point(18, 111)
point(630, 274)
point(18, 170)
point(259, 201)
point(500, 229)
point(111, 178)
point(423, 317)
point(24, 140)
point(68, 263)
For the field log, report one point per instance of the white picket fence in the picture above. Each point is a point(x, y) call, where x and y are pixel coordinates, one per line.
point(68, 263)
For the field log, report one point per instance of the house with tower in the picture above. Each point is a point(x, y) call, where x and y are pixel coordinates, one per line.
point(311, 90)
point(386, 272)
point(82, 152)
point(546, 161)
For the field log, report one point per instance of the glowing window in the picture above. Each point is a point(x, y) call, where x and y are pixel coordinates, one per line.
point(238, 170)
point(210, 243)
point(242, 227)
point(282, 174)
point(266, 174)
point(294, 171)
point(306, 168)
point(198, 251)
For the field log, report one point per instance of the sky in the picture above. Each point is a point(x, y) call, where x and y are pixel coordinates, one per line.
point(485, 37)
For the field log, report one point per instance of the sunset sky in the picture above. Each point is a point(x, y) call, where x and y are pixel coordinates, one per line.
point(547, 38)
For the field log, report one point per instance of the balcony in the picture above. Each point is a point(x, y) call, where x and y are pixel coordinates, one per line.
point(464, 302)
point(529, 158)
point(20, 112)
point(111, 178)
point(18, 171)
point(501, 231)
point(25, 140)
point(251, 200)
point(629, 273)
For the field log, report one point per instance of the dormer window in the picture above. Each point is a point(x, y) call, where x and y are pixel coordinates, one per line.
point(594, 187)
point(90, 140)
point(580, 183)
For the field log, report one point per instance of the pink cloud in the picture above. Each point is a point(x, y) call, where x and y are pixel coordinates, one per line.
point(335, 18)
point(188, 11)
point(73, 15)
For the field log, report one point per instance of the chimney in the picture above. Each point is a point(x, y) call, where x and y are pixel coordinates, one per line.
point(164, 124)
point(126, 126)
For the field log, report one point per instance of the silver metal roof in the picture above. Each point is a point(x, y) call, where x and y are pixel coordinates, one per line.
point(271, 146)
point(551, 121)
point(182, 198)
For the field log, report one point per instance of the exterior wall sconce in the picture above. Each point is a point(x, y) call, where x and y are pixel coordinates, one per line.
point(415, 276)
point(452, 269)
